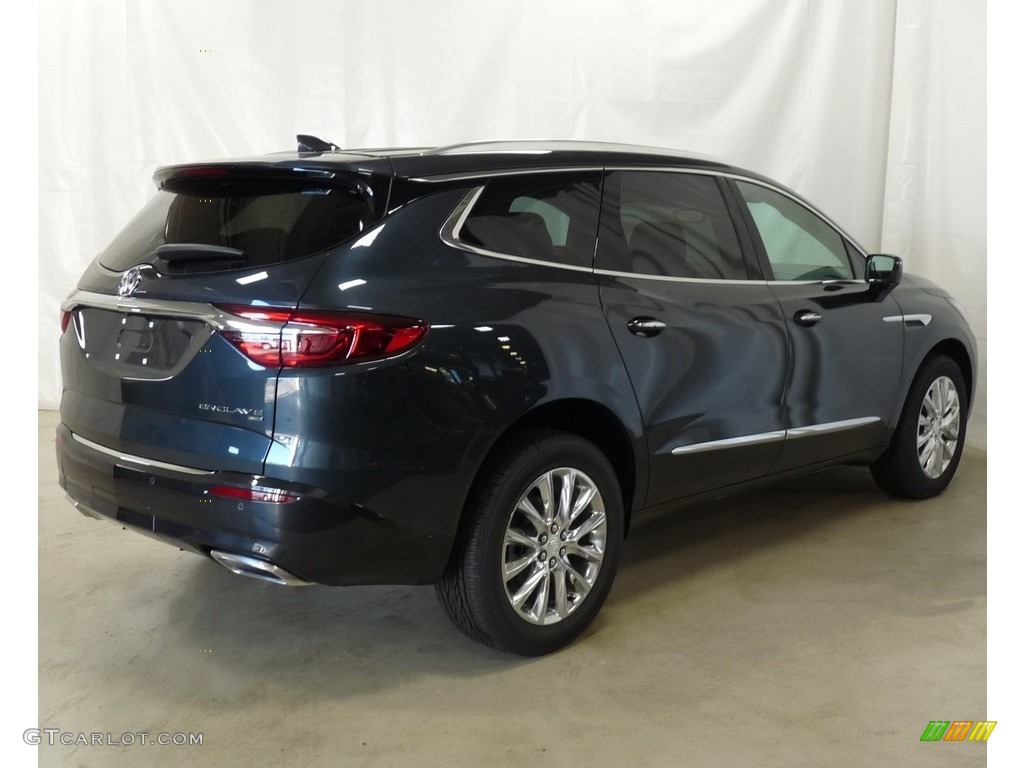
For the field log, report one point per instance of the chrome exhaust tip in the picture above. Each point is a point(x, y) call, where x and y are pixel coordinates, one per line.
point(254, 568)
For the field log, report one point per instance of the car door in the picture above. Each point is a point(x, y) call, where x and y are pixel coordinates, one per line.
point(846, 341)
point(700, 332)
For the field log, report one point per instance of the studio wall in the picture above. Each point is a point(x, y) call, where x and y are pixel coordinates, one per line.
point(874, 109)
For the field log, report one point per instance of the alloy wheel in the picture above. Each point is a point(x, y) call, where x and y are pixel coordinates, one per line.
point(938, 427)
point(554, 546)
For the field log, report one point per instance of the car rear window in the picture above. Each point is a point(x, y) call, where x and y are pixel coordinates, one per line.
point(547, 216)
point(253, 222)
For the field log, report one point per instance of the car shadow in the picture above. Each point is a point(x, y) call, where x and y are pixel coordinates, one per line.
point(344, 642)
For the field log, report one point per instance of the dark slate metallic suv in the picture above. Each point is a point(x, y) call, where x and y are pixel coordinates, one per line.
point(470, 366)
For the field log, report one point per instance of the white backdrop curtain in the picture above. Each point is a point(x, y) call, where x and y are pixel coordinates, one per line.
point(874, 109)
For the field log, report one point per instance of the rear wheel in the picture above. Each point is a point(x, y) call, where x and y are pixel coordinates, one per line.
point(929, 440)
point(539, 546)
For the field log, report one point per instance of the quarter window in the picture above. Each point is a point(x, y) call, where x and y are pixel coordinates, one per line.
point(548, 217)
point(798, 243)
point(673, 225)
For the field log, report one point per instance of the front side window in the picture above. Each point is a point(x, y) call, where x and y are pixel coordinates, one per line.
point(798, 243)
point(548, 217)
point(670, 224)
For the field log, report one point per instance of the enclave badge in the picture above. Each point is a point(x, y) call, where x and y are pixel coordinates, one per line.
point(253, 414)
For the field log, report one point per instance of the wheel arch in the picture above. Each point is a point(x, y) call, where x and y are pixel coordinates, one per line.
point(955, 349)
point(918, 462)
point(593, 422)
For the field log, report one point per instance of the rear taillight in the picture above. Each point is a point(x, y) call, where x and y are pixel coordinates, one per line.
point(254, 493)
point(305, 338)
point(65, 314)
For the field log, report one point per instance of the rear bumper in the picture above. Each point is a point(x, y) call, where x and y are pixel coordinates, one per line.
point(319, 537)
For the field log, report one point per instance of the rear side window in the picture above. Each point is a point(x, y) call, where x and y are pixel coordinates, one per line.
point(249, 223)
point(549, 217)
point(669, 224)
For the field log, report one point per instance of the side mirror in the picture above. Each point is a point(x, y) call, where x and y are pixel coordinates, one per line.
point(884, 271)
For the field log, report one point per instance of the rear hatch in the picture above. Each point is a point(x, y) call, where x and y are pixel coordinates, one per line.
point(149, 354)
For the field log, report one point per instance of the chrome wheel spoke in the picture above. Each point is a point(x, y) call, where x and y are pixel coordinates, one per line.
point(592, 553)
point(592, 523)
point(528, 588)
point(540, 605)
point(927, 452)
point(948, 449)
point(568, 483)
point(929, 410)
point(544, 486)
point(512, 536)
point(582, 502)
point(932, 459)
point(952, 418)
point(947, 393)
point(530, 513)
point(561, 595)
point(514, 568)
point(582, 584)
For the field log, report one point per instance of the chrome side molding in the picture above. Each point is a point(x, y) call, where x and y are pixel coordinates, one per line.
point(776, 436)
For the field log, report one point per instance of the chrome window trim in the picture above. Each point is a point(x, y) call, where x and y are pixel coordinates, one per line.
point(472, 175)
point(671, 279)
point(140, 460)
point(520, 259)
point(775, 436)
point(449, 235)
point(740, 177)
point(842, 232)
point(450, 229)
point(452, 225)
point(815, 282)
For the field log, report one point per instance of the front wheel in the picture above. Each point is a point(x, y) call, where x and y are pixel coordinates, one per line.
point(929, 439)
point(539, 546)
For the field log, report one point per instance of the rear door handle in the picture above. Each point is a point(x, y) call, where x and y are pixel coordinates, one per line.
point(807, 318)
point(645, 326)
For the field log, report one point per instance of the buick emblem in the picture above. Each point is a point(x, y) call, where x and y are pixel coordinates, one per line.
point(129, 282)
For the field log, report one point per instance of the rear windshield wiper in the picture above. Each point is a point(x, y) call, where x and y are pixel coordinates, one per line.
point(175, 253)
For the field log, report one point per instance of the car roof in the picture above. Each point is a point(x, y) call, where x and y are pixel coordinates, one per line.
point(467, 160)
point(560, 149)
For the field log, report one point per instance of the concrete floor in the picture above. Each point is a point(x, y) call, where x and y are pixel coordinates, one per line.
point(817, 623)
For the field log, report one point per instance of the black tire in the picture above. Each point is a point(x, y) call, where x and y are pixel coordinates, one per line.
point(914, 472)
point(474, 590)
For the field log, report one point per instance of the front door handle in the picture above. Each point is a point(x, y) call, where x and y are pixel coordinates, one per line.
point(645, 326)
point(807, 318)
